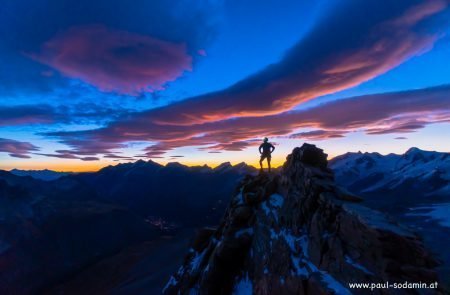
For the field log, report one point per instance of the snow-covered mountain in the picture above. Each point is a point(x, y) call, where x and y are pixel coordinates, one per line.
point(414, 188)
point(417, 172)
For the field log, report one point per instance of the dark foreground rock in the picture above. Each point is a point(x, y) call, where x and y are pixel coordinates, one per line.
point(296, 232)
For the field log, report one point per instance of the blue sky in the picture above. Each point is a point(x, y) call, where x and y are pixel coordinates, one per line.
point(91, 83)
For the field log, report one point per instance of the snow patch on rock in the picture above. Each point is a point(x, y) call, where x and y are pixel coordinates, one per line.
point(357, 265)
point(243, 287)
point(438, 212)
point(195, 262)
point(276, 200)
point(244, 231)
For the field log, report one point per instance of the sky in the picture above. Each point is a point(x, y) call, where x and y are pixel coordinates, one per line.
point(86, 84)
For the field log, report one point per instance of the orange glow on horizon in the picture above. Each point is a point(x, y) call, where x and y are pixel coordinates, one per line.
point(277, 161)
point(56, 166)
point(97, 165)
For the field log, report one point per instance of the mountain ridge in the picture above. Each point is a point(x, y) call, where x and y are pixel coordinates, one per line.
point(296, 232)
point(44, 174)
point(94, 216)
point(394, 171)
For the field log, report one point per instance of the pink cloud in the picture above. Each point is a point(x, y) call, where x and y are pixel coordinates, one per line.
point(115, 156)
point(324, 62)
point(89, 159)
point(68, 155)
point(115, 60)
point(318, 134)
point(398, 112)
point(59, 155)
point(20, 156)
point(157, 151)
point(230, 146)
point(17, 149)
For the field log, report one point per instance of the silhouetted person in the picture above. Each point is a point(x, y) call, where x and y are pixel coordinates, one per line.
point(266, 149)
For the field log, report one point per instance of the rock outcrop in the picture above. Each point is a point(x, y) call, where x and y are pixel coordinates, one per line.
point(297, 232)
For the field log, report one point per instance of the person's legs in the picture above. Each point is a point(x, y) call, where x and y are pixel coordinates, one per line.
point(261, 162)
point(268, 162)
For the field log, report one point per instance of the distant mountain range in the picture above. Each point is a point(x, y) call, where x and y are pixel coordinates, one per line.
point(414, 188)
point(52, 229)
point(415, 177)
point(45, 174)
point(173, 192)
point(188, 196)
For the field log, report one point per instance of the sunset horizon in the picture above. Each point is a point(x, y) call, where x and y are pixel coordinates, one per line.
point(96, 88)
point(277, 162)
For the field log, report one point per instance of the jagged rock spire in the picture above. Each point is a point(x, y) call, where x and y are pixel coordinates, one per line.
point(296, 232)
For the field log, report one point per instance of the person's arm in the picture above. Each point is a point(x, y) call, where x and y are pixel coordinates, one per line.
point(260, 147)
point(273, 148)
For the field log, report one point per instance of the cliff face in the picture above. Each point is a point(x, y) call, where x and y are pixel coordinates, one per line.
point(296, 232)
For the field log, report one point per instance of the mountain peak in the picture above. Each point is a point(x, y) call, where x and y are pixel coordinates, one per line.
point(416, 154)
point(175, 164)
point(241, 164)
point(223, 166)
point(306, 154)
point(294, 231)
point(413, 150)
point(140, 162)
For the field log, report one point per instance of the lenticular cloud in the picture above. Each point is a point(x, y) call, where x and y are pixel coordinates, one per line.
point(113, 60)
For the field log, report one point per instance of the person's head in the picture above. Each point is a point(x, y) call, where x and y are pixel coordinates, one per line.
point(266, 139)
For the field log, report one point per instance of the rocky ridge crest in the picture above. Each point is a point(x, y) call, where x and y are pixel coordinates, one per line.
point(297, 232)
